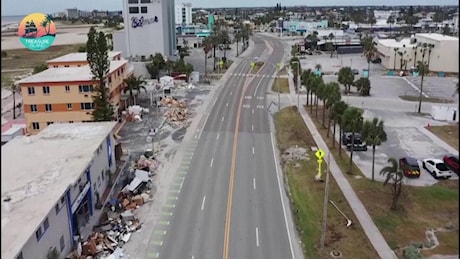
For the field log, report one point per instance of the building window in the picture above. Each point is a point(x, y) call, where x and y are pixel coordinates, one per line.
point(62, 243)
point(86, 88)
point(66, 66)
point(33, 108)
point(67, 88)
point(48, 107)
point(38, 233)
point(46, 225)
point(57, 208)
point(55, 66)
point(143, 9)
point(70, 122)
point(31, 90)
point(146, 1)
point(69, 106)
point(86, 106)
point(134, 10)
point(46, 90)
point(133, 1)
point(35, 125)
point(49, 123)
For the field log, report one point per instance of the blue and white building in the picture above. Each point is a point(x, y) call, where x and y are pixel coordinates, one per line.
point(50, 182)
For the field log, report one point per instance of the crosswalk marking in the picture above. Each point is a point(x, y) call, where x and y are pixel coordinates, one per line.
point(260, 106)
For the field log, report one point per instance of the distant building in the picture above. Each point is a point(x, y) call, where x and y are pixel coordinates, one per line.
point(72, 13)
point(49, 197)
point(304, 27)
point(63, 92)
point(183, 13)
point(442, 58)
point(149, 29)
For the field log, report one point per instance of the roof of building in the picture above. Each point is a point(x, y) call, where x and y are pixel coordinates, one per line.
point(79, 57)
point(392, 43)
point(68, 74)
point(437, 37)
point(36, 173)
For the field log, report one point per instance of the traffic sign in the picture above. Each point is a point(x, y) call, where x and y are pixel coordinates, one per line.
point(319, 154)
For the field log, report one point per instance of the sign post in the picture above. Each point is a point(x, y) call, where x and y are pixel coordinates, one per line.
point(319, 155)
point(252, 66)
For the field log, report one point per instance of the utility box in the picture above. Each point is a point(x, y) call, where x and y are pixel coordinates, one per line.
point(444, 113)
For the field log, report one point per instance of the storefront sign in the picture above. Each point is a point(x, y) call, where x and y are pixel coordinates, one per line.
point(141, 21)
point(80, 198)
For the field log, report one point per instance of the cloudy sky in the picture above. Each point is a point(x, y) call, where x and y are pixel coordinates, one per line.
point(22, 7)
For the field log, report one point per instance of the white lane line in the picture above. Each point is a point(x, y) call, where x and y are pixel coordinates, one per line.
point(257, 236)
point(253, 110)
point(415, 87)
point(215, 101)
point(226, 105)
point(193, 257)
point(253, 128)
point(222, 119)
point(281, 197)
point(231, 92)
point(254, 183)
point(217, 138)
point(212, 161)
point(202, 203)
point(253, 151)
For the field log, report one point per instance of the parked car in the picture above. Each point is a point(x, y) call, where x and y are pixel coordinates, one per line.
point(358, 147)
point(346, 138)
point(437, 168)
point(376, 60)
point(451, 161)
point(410, 167)
point(355, 71)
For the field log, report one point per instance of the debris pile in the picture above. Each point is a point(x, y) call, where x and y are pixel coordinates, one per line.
point(177, 111)
point(294, 153)
point(135, 113)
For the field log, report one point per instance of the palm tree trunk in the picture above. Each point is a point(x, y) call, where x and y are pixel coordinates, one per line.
point(205, 65)
point(324, 112)
point(368, 68)
point(131, 96)
point(340, 140)
point(351, 151)
point(333, 133)
point(420, 96)
point(373, 161)
point(316, 108)
point(214, 58)
point(311, 103)
point(14, 104)
point(237, 52)
point(328, 124)
point(394, 62)
point(308, 93)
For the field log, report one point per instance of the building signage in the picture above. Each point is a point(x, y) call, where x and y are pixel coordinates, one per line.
point(80, 197)
point(141, 21)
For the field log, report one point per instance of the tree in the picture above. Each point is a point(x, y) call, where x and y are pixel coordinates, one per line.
point(346, 78)
point(371, 18)
point(306, 78)
point(46, 23)
point(446, 30)
point(333, 97)
point(207, 46)
point(237, 38)
point(401, 54)
point(331, 46)
point(322, 94)
point(134, 83)
point(394, 174)
point(363, 85)
point(10, 85)
point(391, 20)
point(422, 68)
point(336, 115)
point(353, 122)
point(373, 133)
point(156, 64)
point(98, 60)
point(394, 60)
point(315, 82)
point(369, 51)
point(295, 65)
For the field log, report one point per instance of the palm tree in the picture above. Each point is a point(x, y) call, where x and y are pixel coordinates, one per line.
point(400, 53)
point(373, 133)
point(395, 174)
point(422, 68)
point(415, 48)
point(394, 60)
point(314, 85)
point(333, 97)
point(134, 83)
point(336, 115)
point(369, 51)
point(390, 21)
point(207, 46)
point(323, 94)
point(46, 23)
point(14, 88)
point(331, 37)
point(305, 77)
point(353, 122)
point(237, 38)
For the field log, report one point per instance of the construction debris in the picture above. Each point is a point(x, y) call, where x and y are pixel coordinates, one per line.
point(294, 153)
point(177, 111)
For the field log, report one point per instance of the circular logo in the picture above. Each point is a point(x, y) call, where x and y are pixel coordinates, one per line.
point(37, 31)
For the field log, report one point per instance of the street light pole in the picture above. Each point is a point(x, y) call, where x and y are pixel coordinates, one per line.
point(297, 85)
point(325, 203)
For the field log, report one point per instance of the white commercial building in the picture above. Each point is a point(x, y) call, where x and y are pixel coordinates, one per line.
point(184, 14)
point(443, 56)
point(149, 29)
point(50, 185)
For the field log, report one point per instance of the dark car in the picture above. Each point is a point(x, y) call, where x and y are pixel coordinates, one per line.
point(346, 138)
point(451, 161)
point(410, 167)
point(357, 147)
point(376, 60)
point(355, 71)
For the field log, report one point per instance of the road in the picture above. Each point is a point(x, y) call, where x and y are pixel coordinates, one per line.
point(229, 205)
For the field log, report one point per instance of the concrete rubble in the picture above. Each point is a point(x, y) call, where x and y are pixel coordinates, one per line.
point(119, 221)
point(177, 111)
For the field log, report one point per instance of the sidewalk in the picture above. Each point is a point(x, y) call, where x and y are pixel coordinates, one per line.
point(369, 227)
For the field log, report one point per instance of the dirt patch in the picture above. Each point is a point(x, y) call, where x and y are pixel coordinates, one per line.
point(281, 85)
point(447, 133)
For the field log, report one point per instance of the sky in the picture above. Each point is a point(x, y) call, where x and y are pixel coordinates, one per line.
point(23, 7)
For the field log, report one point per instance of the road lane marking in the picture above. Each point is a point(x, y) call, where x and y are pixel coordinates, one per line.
point(212, 160)
point(202, 203)
point(172, 198)
point(154, 255)
point(164, 213)
point(226, 104)
point(246, 106)
point(253, 152)
point(232, 172)
point(231, 92)
point(254, 183)
point(215, 101)
point(257, 236)
point(170, 206)
point(160, 232)
point(193, 257)
point(281, 196)
point(253, 110)
point(164, 222)
point(253, 128)
point(157, 243)
point(217, 138)
point(222, 119)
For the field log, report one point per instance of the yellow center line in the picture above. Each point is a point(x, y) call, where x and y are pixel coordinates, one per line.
point(232, 170)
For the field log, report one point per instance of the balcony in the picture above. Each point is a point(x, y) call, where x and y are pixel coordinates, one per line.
point(129, 70)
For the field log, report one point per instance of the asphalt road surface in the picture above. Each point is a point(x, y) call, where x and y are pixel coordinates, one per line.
point(230, 204)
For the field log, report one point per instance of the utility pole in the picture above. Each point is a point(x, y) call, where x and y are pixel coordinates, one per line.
point(325, 204)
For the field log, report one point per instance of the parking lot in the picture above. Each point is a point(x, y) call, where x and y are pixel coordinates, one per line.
point(436, 87)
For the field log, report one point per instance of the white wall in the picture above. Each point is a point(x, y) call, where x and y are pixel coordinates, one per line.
point(119, 42)
point(444, 113)
point(179, 11)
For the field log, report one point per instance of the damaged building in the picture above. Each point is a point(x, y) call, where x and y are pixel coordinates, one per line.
point(52, 187)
